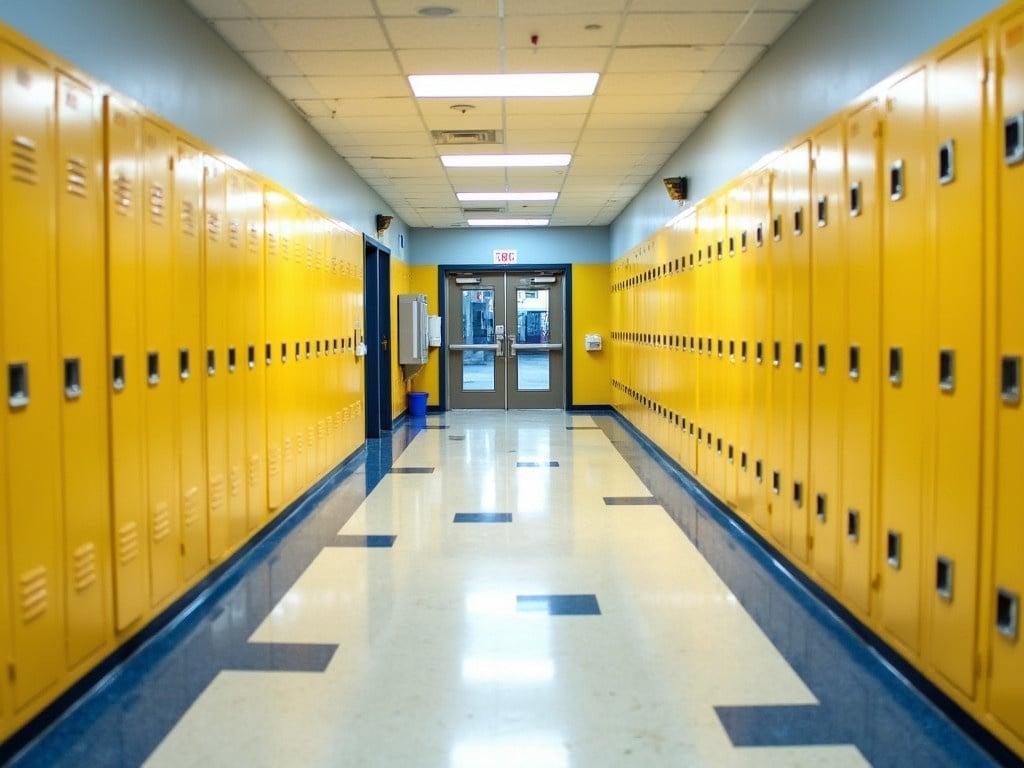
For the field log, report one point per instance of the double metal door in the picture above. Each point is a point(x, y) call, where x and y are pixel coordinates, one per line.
point(505, 340)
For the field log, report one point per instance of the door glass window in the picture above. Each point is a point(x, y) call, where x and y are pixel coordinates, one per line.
point(478, 328)
point(533, 326)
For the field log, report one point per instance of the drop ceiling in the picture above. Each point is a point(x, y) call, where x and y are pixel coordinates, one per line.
point(664, 64)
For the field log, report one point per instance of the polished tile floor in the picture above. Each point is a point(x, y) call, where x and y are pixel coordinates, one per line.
point(531, 591)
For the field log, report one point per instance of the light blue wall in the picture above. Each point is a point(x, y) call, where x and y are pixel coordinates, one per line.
point(536, 245)
point(160, 53)
point(835, 51)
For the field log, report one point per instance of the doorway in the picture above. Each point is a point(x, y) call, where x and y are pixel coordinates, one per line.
point(377, 301)
point(507, 344)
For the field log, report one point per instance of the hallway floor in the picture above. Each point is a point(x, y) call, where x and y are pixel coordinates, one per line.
point(551, 597)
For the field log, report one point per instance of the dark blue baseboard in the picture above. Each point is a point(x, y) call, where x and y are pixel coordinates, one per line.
point(208, 589)
point(743, 530)
point(595, 408)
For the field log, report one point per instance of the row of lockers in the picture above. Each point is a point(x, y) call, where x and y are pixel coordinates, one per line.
point(179, 342)
point(832, 345)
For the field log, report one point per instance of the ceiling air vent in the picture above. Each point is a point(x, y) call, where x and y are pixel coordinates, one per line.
point(490, 209)
point(489, 136)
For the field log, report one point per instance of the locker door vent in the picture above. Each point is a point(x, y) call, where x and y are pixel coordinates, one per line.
point(944, 578)
point(1014, 136)
point(24, 162)
point(1007, 613)
point(1010, 380)
point(161, 522)
point(157, 201)
point(76, 180)
point(254, 238)
point(213, 225)
point(234, 233)
point(893, 547)
point(853, 525)
point(190, 505)
point(122, 194)
point(188, 218)
point(34, 594)
point(83, 566)
point(217, 493)
point(127, 543)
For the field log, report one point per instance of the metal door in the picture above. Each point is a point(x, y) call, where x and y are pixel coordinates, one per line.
point(476, 340)
point(535, 339)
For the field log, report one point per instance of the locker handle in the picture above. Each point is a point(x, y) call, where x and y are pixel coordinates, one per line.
point(855, 195)
point(759, 352)
point(896, 366)
point(1007, 613)
point(298, 350)
point(232, 360)
point(732, 245)
point(947, 370)
point(947, 162)
point(732, 350)
point(183, 364)
point(821, 507)
point(798, 494)
point(718, 446)
point(798, 355)
point(776, 483)
point(721, 349)
point(731, 453)
point(318, 347)
point(284, 352)
point(743, 241)
point(743, 460)
point(758, 237)
point(896, 180)
point(1010, 375)
point(709, 345)
point(893, 546)
point(17, 385)
point(944, 578)
point(309, 348)
point(853, 525)
point(854, 362)
point(252, 356)
point(822, 358)
point(72, 378)
point(211, 362)
point(118, 373)
point(743, 351)
point(777, 228)
point(718, 249)
point(268, 353)
point(798, 221)
point(822, 211)
point(1014, 133)
point(759, 470)
point(152, 368)
point(776, 354)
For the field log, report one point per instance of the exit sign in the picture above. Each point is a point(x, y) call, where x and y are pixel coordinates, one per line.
point(506, 257)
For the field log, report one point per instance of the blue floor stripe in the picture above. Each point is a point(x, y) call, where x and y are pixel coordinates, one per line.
point(483, 517)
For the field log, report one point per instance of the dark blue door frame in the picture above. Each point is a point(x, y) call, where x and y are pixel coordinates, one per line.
point(442, 301)
point(377, 321)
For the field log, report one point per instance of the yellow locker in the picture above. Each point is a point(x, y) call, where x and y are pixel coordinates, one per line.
point(715, 314)
point(277, 351)
point(158, 340)
point(82, 286)
point(216, 270)
point(31, 420)
point(745, 331)
point(288, 290)
point(189, 365)
point(778, 354)
point(235, 306)
point(732, 301)
point(760, 346)
point(127, 364)
point(801, 225)
point(859, 362)
point(907, 376)
point(257, 357)
point(824, 356)
point(1006, 672)
point(958, 106)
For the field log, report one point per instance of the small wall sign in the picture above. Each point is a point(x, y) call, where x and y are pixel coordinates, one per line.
point(508, 256)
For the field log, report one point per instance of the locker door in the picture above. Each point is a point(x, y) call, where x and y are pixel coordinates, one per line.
point(859, 361)
point(824, 354)
point(31, 419)
point(235, 369)
point(959, 107)
point(1006, 672)
point(801, 226)
point(904, 390)
point(161, 394)
point(277, 355)
point(290, 357)
point(733, 300)
point(760, 347)
point(188, 369)
point(778, 355)
point(82, 286)
point(127, 368)
point(216, 269)
point(255, 357)
point(746, 332)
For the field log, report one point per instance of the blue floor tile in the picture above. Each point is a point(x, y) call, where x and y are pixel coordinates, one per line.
point(374, 541)
point(559, 605)
point(483, 517)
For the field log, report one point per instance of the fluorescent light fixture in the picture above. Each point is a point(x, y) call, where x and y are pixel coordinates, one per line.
point(503, 86)
point(505, 161)
point(468, 197)
point(508, 222)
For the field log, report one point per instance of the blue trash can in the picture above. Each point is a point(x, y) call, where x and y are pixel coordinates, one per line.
point(417, 403)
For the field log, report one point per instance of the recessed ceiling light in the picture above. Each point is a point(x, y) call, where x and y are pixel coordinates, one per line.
point(507, 222)
point(505, 161)
point(467, 197)
point(436, 11)
point(503, 86)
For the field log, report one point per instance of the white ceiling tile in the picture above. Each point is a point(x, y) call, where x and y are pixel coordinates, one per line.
point(536, 147)
point(679, 28)
point(464, 7)
point(523, 135)
point(341, 63)
point(398, 137)
point(360, 86)
point(588, 147)
point(738, 57)
point(326, 34)
point(556, 59)
point(546, 122)
point(271, 63)
point(545, 176)
point(560, 31)
point(629, 135)
point(636, 83)
point(764, 28)
point(634, 104)
point(400, 106)
point(675, 120)
point(546, 7)
point(317, 9)
point(701, 102)
point(717, 82)
point(246, 35)
point(377, 124)
point(391, 150)
point(691, 6)
point(449, 32)
point(450, 61)
point(578, 105)
point(295, 87)
point(313, 107)
point(678, 58)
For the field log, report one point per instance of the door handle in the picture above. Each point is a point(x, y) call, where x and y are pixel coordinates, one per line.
point(469, 347)
point(384, 344)
point(537, 347)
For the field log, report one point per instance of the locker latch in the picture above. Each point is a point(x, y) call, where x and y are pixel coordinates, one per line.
point(821, 507)
point(855, 199)
point(822, 358)
point(743, 460)
point(853, 525)
point(944, 578)
point(72, 378)
point(777, 228)
point(776, 354)
point(854, 362)
point(893, 547)
point(1010, 379)
point(896, 366)
point(268, 353)
point(759, 470)
point(17, 385)
point(232, 360)
point(822, 211)
point(798, 355)
point(211, 362)
point(1014, 133)
point(118, 374)
point(798, 494)
point(947, 162)
point(759, 352)
point(153, 368)
point(184, 365)
point(1007, 613)
point(759, 236)
point(743, 351)
point(947, 370)
point(776, 483)
point(284, 352)
point(896, 181)
point(798, 221)
point(252, 356)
